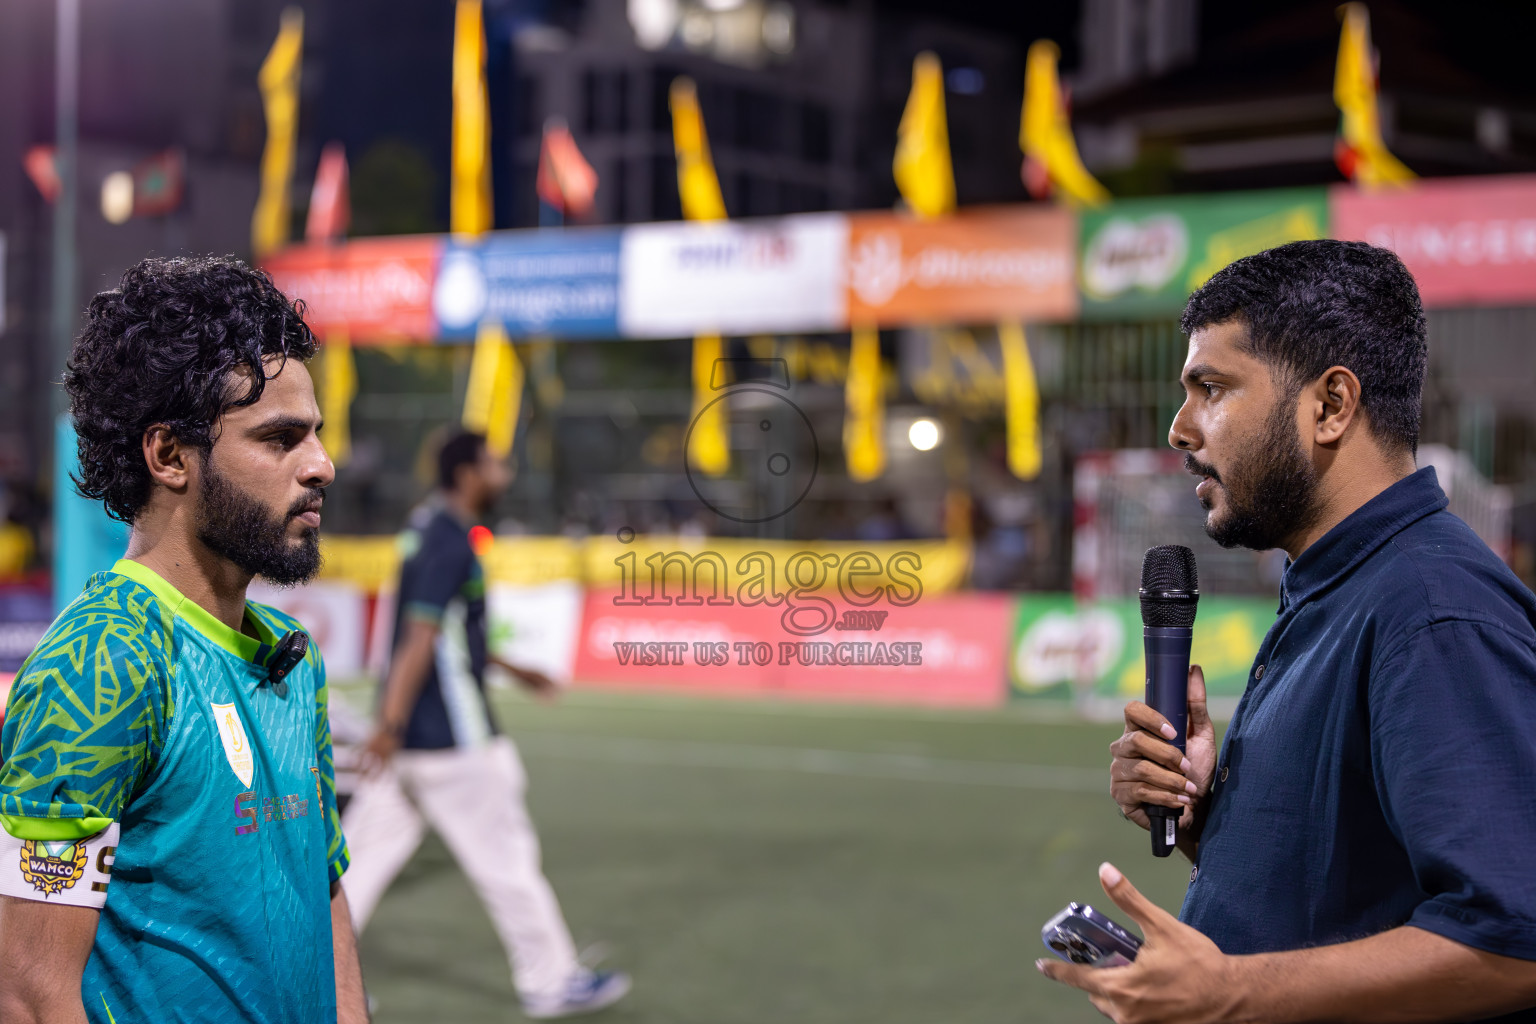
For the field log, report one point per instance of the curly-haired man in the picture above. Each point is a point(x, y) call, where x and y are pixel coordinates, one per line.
point(169, 844)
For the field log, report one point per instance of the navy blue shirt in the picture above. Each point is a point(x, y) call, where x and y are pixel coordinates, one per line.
point(442, 583)
point(1380, 769)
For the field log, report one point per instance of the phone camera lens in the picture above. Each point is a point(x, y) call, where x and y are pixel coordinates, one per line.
point(1058, 945)
point(1077, 943)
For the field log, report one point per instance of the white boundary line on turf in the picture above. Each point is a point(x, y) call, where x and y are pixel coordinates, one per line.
point(809, 761)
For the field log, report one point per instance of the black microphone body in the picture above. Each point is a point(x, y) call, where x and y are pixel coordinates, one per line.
point(1169, 594)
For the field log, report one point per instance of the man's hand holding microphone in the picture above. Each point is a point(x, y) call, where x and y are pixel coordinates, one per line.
point(1148, 769)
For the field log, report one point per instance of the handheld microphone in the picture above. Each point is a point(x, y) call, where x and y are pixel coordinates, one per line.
point(289, 652)
point(1170, 590)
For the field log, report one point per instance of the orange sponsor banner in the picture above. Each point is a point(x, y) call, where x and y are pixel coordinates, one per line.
point(977, 266)
point(378, 290)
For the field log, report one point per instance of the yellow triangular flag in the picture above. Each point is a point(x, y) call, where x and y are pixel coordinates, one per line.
point(494, 396)
point(1022, 402)
point(1359, 151)
point(278, 80)
point(338, 386)
point(922, 167)
point(864, 420)
point(709, 448)
point(697, 184)
point(1045, 134)
point(469, 201)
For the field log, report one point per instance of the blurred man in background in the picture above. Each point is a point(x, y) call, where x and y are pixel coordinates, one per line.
point(436, 756)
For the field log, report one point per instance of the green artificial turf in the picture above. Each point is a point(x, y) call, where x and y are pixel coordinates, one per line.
point(756, 862)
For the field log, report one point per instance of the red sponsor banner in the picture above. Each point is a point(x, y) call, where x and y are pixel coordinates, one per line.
point(1468, 241)
point(977, 266)
point(945, 650)
point(378, 290)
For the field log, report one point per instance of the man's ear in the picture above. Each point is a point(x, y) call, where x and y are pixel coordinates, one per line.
point(171, 462)
point(1337, 397)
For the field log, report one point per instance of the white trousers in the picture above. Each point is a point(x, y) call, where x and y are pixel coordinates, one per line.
point(473, 799)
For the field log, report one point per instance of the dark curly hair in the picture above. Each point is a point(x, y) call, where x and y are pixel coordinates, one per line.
point(1315, 304)
point(166, 346)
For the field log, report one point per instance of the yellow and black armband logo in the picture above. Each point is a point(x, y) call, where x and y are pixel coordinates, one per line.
point(74, 872)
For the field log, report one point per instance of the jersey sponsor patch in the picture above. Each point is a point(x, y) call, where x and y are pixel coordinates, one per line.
point(74, 872)
point(237, 746)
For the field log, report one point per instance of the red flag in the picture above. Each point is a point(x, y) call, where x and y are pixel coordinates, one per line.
point(42, 167)
point(330, 205)
point(158, 183)
point(565, 181)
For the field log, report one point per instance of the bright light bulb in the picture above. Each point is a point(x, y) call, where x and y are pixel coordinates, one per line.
point(117, 197)
point(924, 435)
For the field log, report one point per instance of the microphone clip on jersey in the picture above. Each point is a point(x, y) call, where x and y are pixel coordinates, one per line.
point(290, 650)
point(1170, 590)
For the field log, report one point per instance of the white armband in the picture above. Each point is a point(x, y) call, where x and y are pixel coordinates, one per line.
point(74, 872)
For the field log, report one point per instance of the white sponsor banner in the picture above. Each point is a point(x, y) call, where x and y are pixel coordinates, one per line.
point(536, 627)
point(333, 613)
point(734, 277)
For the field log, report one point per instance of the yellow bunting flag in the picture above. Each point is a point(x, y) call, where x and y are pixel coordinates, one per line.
point(697, 184)
point(1051, 161)
point(922, 167)
point(494, 396)
point(709, 447)
point(864, 420)
point(1359, 151)
point(469, 201)
point(278, 80)
point(338, 386)
point(1022, 402)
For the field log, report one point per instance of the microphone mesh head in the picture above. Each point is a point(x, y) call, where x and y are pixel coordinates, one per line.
point(1170, 586)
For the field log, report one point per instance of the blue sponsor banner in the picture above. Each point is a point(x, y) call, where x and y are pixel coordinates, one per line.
point(564, 284)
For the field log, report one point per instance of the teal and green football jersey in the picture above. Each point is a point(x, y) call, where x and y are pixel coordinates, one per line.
point(151, 770)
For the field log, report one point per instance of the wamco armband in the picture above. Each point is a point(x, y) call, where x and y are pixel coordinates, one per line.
point(74, 872)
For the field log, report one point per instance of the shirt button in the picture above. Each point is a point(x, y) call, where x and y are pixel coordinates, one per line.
point(1258, 673)
point(1224, 771)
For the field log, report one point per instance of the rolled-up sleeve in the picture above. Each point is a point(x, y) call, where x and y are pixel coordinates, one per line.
point(1454, 754)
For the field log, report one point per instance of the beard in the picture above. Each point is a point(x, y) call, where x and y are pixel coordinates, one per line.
point(237, 526)
point(1273, 496)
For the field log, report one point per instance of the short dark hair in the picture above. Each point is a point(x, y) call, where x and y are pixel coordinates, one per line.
point(165, 346)
point(462, 449)
point(1311, 305)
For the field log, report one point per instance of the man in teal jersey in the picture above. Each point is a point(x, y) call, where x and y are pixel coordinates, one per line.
point(169, 844)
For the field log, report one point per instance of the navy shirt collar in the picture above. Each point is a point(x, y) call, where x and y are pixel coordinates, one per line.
point(1361, 533)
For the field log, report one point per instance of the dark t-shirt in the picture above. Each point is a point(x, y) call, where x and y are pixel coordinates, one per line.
point(1380, 769)
point(441, 582)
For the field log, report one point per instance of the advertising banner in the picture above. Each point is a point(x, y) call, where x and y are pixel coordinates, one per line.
point(536, 627)
point(1143, 257)
point(25, 615)
point(564, 284)
point(378, 290)
point(942, 651)
point(978, 266)
point(1469, 241)
point(734, 277)
point(1092, 652)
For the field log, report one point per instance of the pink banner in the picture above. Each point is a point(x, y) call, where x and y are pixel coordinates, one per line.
point(1468, 241)
point(945, 650)
point(377, 290)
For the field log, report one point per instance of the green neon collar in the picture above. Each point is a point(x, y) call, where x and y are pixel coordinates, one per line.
point(199, 618)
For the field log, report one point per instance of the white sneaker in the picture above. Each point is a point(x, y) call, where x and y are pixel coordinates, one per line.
point(587, 991)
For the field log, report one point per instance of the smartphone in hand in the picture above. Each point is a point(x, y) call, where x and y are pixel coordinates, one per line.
point(1082, 935)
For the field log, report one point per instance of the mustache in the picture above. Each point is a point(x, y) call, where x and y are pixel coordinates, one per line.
point(313, 498)
point(1193, 465)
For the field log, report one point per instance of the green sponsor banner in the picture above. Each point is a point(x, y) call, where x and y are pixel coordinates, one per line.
point(1065, 650)
point(1143, 257)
